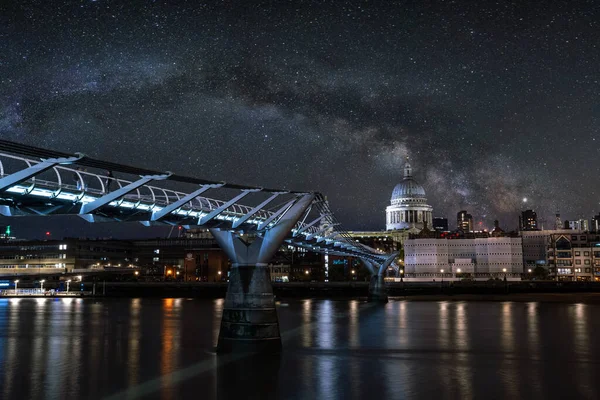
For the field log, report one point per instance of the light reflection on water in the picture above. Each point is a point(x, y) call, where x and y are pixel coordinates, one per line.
point(161, 348)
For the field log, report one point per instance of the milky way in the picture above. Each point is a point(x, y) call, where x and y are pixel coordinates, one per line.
point(491, 102)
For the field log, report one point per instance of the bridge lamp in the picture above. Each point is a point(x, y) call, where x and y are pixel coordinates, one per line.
point(16, 282)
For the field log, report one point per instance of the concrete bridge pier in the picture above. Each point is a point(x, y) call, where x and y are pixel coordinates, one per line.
point(377, 289)
point(249, 323)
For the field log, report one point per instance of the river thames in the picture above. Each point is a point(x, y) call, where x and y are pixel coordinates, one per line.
point(164, 349)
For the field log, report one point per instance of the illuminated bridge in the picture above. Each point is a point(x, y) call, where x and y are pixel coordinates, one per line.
point(249, 223)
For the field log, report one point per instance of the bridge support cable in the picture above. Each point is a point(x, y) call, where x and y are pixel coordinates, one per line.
point(112, 196)
point(305, 227)
point(277, 214)
point(203, 220)
point(33, 170)
point(249, 322)
point(255, 210)
point(156, 215)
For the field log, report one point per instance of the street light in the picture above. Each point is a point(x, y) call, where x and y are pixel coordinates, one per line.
point(442, 271)
point(136, 273)
point(306, 272)
point(68, 281)
point(16, 282)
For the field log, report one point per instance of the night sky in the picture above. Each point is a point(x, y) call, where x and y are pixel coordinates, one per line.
point(493, 102)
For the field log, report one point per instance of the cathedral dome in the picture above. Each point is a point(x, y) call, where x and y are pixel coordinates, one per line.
point(408, 208)
point(408, 188)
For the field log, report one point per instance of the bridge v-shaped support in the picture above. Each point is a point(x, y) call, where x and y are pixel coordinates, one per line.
point(249, 322)
point(112, 196)
point(377, 289)
point(36, 169)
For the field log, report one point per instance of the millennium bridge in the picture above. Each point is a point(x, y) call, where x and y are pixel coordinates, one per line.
point(249, 223)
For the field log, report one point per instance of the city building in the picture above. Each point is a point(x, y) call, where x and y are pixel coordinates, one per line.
point(440, 224)
point(408, 208)
point(473, 256)
point(574, 256)
point(464, 221)
point(595, 226)
point(536, 245)
point(579, 224)
point(528, 221)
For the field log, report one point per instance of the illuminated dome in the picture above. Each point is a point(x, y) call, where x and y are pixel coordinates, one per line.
point(408, 188)
point(408, 207)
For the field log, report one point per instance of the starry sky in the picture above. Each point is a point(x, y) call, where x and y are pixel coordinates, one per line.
point(494, 102)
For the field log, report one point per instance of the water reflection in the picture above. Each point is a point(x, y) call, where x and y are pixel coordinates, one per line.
point(133, 344)
point(461, 344)
point(93, 349)
point(353, 328)
point(216, 325)
point(170, 335)
point(509, 376)
point(581, 347)
point(325, 325)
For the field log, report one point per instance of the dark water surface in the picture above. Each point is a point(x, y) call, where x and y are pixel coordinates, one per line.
point(162, 349)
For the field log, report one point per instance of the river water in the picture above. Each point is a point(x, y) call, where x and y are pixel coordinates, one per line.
point(163, 349)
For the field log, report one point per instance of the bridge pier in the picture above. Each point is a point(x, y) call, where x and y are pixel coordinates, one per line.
point(249, 323)
point(377, 289)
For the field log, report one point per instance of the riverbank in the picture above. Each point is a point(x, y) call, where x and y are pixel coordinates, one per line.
point(585, 298)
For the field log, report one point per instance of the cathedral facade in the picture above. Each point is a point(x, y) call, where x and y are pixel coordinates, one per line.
point(408, 208)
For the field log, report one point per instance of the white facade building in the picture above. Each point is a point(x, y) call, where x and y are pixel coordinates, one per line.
point(481, 257)
point(408, 208)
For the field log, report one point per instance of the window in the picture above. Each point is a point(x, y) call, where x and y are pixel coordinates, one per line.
point(156, 251)
point(577, 253)
point(586, 253)
point(586, 262)
point(577, 269)
point(587, 270)
point(155, 259)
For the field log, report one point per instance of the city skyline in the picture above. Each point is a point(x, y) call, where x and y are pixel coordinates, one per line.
point(494, 103)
